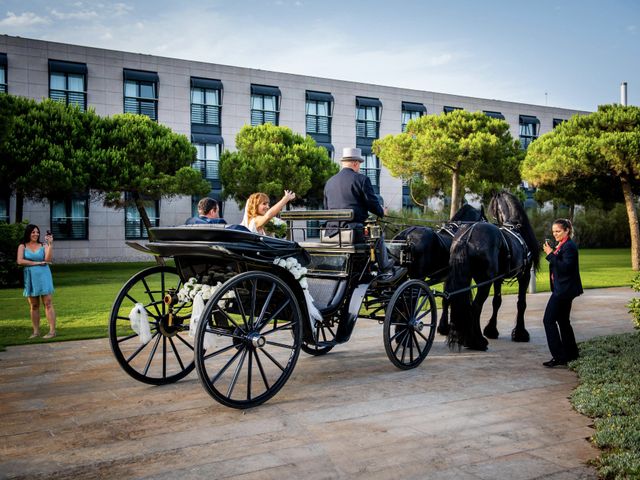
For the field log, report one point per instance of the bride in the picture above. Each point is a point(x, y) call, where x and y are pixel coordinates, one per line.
point(257, 212)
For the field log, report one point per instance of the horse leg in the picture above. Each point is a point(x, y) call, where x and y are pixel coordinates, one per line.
point(475, 340)
point(491, 329)
point(443, 326)
point(519, 333)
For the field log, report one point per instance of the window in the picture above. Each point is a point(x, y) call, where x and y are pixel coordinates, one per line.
point(3, 73)
point(70, 218)
point(529, 127)
point(368, 113)
point(496, 115)
point(411, 111)
point(141, 93)
point(68, 83)
point(4, 208)
point(133, 226)
point(319, 109)
point(558, 121)
point(208, 158)
point(206, 102)
point(451, 109)
point(371, 168)
point(265, 105)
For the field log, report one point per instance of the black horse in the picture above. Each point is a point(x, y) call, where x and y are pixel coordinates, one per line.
point(488, 254)
point(429, 251)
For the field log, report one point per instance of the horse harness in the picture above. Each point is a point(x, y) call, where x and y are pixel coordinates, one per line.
point(512, 230)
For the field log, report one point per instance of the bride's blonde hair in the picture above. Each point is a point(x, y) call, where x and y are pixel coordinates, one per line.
point(253, 202)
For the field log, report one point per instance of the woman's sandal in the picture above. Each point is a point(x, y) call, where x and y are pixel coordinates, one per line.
point(34, 335)
point(50, 335)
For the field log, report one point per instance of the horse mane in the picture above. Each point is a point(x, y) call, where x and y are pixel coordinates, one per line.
point(506, 208)
point(467, 213)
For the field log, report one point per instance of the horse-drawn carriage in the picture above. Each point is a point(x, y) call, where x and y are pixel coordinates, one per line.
point(266, 299)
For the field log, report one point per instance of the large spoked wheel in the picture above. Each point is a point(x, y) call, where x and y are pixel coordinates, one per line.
point(248, 340)
point(168, 356)
point(410, 324)
point(326, 335)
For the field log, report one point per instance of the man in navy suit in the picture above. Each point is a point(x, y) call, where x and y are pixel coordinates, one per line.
point(349, 189)
point(208, 212)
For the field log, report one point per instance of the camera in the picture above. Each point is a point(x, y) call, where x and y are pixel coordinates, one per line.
point(48, 232)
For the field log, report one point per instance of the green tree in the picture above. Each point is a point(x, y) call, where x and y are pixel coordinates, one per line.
point(46, 148)
point(145, 159)
point(271, 159)
point(603, 143)
point(469, 151)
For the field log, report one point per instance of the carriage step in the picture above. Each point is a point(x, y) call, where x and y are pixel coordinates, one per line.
point(395, 274)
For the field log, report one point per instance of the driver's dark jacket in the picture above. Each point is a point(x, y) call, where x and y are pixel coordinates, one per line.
point(350, 190)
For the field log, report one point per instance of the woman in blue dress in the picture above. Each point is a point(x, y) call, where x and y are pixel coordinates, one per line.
point(35, 257)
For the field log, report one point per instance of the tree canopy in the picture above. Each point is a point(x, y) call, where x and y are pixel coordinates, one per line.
point(603, 145)
point(271, 159)
point(471, 152)
point(49, 150)
point(145, 159)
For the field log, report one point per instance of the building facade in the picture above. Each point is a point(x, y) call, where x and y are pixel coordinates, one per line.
point(210, 103)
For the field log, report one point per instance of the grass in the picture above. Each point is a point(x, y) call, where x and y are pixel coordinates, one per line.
point(609, 392)
point(85, 292)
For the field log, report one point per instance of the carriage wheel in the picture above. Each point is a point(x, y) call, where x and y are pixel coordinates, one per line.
point(410, 324)
point(325, 332)
point(168, 357)
point(248, 340)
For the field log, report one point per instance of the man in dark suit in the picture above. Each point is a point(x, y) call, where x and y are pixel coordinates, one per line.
point(208, 212)
point(349, 189)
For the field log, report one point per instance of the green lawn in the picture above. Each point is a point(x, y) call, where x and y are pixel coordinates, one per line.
point(85, 292)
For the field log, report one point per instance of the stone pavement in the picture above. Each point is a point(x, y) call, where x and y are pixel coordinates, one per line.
point(69, 411)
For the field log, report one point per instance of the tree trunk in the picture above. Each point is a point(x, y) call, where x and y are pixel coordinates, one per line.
point(633, 222)
point(456, 197)
point(145, 220)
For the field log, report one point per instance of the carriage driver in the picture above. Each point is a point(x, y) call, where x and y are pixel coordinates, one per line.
point(348, 189)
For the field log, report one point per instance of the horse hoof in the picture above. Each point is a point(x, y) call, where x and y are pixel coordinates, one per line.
point(519, 335)
point(491, 332)
point(443, 330)
point(481, 345)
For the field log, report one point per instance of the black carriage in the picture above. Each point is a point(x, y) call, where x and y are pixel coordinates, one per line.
point(258, 313)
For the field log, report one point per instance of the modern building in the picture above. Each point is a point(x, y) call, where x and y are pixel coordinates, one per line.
point(210, 103)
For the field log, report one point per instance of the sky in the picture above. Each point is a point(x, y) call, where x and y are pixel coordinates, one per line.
point(563, 53)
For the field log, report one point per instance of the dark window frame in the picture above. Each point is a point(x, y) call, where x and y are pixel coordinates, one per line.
point(367, 129)
point(371, 171)
point(137, 224)
point(63, 228)
point(65, 95)
point(491, 114)
point(448, 109)
point(6, 200)
point(411, 111)
point(258, 116)
point(140, 79)
point(321, 124)
point(202, 164)
point(4, 86)
point(529, 130)
point(211, 113)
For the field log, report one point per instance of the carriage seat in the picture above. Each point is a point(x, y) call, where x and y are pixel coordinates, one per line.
point(344, 237)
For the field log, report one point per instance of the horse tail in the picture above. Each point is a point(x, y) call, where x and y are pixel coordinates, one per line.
point(459, 279)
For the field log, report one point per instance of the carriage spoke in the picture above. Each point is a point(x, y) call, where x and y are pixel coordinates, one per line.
point(250, 364)
point(185, 342)
point(252, 316)
point(270, 357)
point(228, 317)
point(128, 337)
point(260, 320)
point(175, 352)
point(236, 373)
point(241, 308)
point(415, 340)
point(227, 365)
point(151, 355)
point(261, 368)
point(274, 314)
point(284, 326)
point(218, 352)
point(149, 293)
point(281, 345)
point(164, 357)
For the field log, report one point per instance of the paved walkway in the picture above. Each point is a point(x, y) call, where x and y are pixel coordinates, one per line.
point(68, 411)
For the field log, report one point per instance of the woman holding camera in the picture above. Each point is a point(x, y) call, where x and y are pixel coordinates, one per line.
point(564, 273)
point(36, 256)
